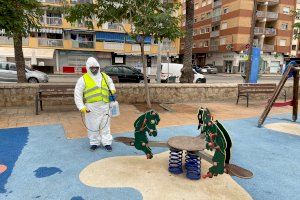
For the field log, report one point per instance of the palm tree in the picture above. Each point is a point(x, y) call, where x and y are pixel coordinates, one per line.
point(187, 75)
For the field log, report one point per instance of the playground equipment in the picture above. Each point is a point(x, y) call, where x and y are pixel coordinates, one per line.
point(213, 136)
point(292, 70)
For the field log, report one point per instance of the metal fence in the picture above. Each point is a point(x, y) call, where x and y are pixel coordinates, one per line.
point(83, 44)
point(45, 42)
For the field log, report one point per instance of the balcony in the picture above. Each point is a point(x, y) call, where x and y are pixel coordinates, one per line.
point(258, 31)
point(270, 16)
point(214, 48)
point(51, 1)
point(217, 3)
point(81, 1)
point(214, 33)
point(216, 18)
point(45, 42)
point(51, 21)
point(260, 14)
point(269, 2)
point(83, 44)
point(268, 48)
point(114, 46)
point(79, 25)
point(270, 32)
point(9, 41)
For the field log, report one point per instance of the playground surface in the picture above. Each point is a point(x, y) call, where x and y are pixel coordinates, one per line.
point(45, 159)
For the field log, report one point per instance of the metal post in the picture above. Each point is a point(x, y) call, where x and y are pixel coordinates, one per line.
point(158, 68)
point(168, 66)
point(57, 61)
point(253, 22)
point(295, 94)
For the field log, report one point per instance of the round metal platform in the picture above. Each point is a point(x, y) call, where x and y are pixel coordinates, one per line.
point(187, 143)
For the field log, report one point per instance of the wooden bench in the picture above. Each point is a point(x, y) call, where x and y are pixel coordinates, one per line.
point(255, 88)
point(53, 93)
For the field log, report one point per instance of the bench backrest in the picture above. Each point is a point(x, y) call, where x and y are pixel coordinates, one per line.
point(56, 91)
point(256, 87)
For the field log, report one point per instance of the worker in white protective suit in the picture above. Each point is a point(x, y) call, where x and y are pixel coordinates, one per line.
point(93, 92)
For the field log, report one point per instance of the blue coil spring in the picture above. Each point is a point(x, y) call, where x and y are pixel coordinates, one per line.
point(175, 161)
point(193, 166)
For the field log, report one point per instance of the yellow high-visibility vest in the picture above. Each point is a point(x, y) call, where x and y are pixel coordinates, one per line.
point(92, 93)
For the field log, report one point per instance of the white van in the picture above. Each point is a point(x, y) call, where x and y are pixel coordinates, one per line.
point(173, 70)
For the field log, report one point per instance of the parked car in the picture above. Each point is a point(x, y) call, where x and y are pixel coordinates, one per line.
point(173, 72)
point(210, 69)
point(124, 73)
point(8, 73)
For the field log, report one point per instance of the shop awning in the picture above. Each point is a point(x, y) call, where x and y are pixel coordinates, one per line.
point(28, 53)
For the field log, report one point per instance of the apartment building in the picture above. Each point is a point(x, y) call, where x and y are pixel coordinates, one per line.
point(222, 32)
point(295, 51)
point(62, 47)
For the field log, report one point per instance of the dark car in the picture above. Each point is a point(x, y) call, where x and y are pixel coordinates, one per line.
point(124, 73)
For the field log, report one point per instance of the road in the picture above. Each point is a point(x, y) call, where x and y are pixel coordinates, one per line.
point(210, 78)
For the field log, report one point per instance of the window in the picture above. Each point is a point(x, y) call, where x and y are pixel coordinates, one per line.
point(223, 41)
point(201, 44)
point(224, 26)
point(284, 26)
point(208, 15)
point(204, 3)
point(286, 10)
point(13, 67)
point(3, 66)
point(207, 29)
point(205, 44)
point(195, 19)
point(195, 32)
point(282, 43)
point(196, 6)
point(127, 71)
point(202, 30)
point(226, 10)
point(294, 47)
point(202, 16)
point(194, 45)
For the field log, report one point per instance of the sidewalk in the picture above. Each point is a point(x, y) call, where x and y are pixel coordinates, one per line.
point(183, 114)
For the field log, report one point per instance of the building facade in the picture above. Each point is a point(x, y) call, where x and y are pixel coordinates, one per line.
point(222, 32)
point(62, 47)
point(295, 51)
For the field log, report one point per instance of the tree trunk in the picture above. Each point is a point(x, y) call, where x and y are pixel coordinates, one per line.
point(253, 22)
point(145, 76)
point(19, 58)
point(187, 75)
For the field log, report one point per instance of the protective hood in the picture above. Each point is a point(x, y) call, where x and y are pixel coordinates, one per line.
point(92, 62)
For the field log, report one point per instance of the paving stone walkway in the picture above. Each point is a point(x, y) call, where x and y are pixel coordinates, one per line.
point(183, 114)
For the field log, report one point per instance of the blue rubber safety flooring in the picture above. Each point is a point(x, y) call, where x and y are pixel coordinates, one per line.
point(43, 164)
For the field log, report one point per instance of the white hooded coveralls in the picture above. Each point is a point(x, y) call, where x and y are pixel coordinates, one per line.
point(98, 120)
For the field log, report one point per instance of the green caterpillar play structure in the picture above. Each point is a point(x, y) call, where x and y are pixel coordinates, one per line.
point(213, 137)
